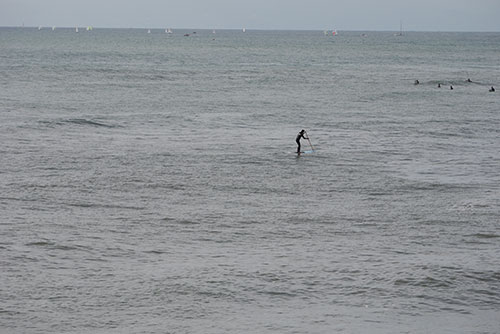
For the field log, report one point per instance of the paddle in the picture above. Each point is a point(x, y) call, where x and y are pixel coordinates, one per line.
point(312, 148)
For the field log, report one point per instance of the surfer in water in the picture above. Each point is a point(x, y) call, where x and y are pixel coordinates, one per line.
point(297, 140)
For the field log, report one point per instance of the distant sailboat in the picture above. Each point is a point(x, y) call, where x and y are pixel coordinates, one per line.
point(53, 28)
point(400, 29)
point(334, 32)
point(213, 31)
point(244, 30)
point(169, 31)
point(76, 29)
point(149, 31)
point(40, 28)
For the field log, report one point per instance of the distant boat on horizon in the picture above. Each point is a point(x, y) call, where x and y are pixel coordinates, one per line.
point(400, 29)
point(244, 30)
point(76, 29)
point(168, 31)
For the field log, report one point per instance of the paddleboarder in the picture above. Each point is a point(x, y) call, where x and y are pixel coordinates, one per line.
point(297, 140)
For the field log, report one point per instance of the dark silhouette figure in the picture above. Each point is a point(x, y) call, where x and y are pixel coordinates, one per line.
point(417, 82)
point(439, 85)
point(492, 89)
point(297, 140)
point(468, 80)
point(451, 87)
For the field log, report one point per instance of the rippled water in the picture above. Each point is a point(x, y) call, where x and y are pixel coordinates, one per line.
point(148, 182)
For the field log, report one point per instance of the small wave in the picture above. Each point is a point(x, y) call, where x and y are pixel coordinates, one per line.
point(77, 121)
point(485, 235)
point(484, 276)
point(40, 243)
point(94, 259)
point(9, 312)
point(182, 221)
point(469, 206)
point(155, 252)
point(53, 245)
point(424, 282)
point(456, 309)
point(82, 121)
point(105, 206)
point(480, 238)
point(17, 199)
point(282, 294)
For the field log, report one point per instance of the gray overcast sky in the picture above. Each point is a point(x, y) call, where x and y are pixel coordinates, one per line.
point(417, 15)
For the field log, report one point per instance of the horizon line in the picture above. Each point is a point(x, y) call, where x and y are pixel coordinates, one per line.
point(251, 29)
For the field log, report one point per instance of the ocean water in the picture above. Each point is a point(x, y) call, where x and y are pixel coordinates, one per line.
point(148, 182)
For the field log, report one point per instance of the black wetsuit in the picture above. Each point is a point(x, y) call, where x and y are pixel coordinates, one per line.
point(297, 140)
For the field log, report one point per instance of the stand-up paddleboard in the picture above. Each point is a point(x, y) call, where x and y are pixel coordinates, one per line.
point(305, 152)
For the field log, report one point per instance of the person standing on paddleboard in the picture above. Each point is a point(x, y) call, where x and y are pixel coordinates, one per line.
point(297, 140)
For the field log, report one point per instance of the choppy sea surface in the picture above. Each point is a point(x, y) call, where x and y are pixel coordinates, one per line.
point(148, 182)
